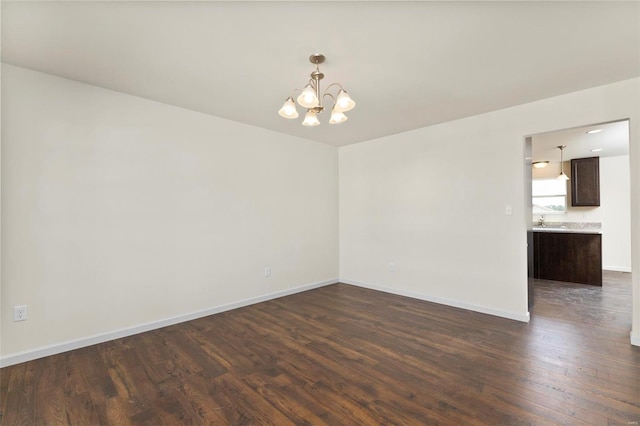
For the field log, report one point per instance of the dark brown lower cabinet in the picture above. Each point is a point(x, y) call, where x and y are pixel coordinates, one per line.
point(570, 257)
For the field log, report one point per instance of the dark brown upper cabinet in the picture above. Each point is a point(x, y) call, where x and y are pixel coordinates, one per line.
point(585, 182)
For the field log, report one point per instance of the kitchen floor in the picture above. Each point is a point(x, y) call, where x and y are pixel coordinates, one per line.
point(606, 307)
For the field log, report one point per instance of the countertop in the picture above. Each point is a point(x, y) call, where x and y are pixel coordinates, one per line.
point(569, 227)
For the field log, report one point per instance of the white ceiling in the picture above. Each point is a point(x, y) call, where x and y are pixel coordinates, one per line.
point(406, 64)
point(613, 140)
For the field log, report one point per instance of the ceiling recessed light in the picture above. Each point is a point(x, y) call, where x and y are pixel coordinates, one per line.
point(594, 131)
point(596, 150)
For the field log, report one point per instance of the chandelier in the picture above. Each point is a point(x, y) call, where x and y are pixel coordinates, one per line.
point(311, 99)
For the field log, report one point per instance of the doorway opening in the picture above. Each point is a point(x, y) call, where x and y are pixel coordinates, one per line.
point(561, 211)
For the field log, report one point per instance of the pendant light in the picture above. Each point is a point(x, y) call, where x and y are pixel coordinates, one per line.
point(562, 175)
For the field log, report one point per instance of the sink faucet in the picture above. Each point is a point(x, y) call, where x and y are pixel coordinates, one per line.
point(541, 220)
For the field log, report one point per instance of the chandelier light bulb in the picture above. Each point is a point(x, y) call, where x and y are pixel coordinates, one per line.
point(344, 102)
point(308, 98)
point(337, 117)
point(288, 110)
point(311, 119)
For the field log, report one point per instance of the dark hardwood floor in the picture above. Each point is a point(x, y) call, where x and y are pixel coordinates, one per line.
point(343, 355)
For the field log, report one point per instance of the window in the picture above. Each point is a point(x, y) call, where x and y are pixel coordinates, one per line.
point(549, 196)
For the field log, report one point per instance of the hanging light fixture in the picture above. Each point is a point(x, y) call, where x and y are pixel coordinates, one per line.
point(311, 99)
point(540, 164)
point(562, 175)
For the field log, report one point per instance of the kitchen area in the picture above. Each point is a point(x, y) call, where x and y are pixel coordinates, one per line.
point(580, 204)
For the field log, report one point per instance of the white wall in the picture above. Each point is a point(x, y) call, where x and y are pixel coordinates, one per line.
point(120, 212)
point(433, 202)
point(426, 201)
point(613, 213)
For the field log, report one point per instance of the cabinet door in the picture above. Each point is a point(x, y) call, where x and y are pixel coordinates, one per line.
point(585, 182)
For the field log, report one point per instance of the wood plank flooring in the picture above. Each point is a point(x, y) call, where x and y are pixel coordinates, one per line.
point(343, 355)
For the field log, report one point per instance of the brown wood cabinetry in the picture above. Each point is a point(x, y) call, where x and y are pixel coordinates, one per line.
point(585, 182)
point(570, 257)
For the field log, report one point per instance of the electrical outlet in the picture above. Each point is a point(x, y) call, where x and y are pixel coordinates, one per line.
point(267, 271)
point(20, 313)
point(392, 267)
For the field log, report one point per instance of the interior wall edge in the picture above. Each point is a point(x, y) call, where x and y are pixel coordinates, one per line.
point(517, 316)
point(30, 355)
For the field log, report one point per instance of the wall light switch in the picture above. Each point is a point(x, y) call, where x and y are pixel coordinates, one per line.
point(508, 210)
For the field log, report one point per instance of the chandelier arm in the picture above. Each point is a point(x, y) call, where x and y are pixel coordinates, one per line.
point(329, 95)
point(333, 84)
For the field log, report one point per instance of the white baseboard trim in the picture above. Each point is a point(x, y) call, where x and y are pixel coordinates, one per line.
point(635, 338)
point(58, 348)
point(616, 268)
point(454, 303)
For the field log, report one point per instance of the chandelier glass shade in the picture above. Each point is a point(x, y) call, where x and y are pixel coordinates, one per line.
point(288, 110)
point(308, 97)
point(311, 98)
point(344, 102)
point(337, 117)
point(311, 118)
